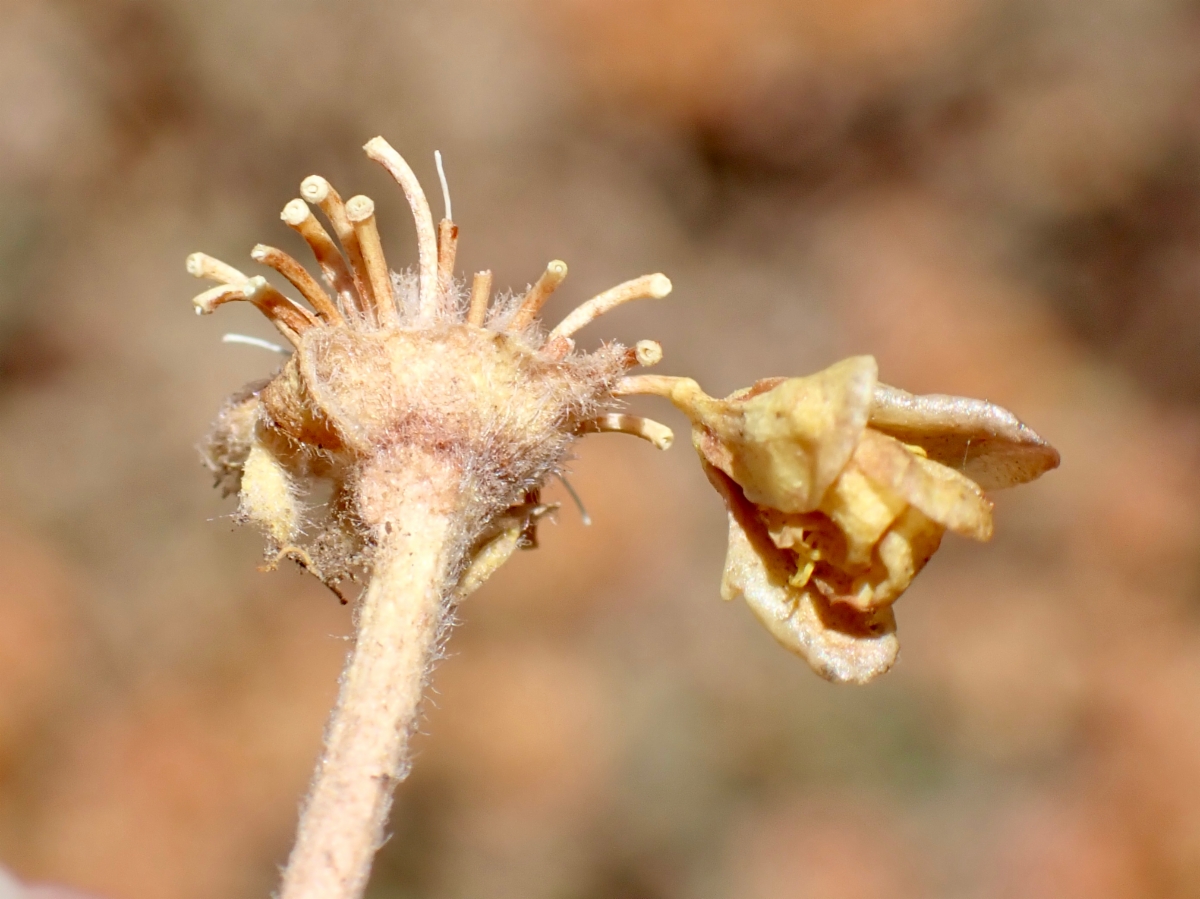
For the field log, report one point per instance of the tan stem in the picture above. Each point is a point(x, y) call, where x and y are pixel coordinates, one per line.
point(411, 504)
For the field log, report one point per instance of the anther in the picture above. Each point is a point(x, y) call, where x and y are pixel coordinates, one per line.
point(645, 287)
point(361, 212)
point(537, 296)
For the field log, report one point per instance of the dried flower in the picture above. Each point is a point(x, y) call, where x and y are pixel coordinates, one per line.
point(839, 490)
point(393, 363)
point(433, 417)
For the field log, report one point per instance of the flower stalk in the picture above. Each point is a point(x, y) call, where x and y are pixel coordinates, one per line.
point(399, 620)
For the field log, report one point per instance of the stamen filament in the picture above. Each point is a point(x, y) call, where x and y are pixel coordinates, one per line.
point(206, 302)
point(447, 250)
point(583, 512)
point(382, 152)
point(308, 286)
point(533, 301)
point(275, 306)
point(652, 385)
point(655, 432)
point(299, 217)
point(481, 292)
point(317, 190)
point(290, 319)
point(361, 212)
point(645, 287)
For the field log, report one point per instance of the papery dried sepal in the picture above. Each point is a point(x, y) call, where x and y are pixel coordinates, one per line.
point(986, 442)
point(786, 446)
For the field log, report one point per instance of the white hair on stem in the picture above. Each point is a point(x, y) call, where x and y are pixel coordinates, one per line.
point(583, 513)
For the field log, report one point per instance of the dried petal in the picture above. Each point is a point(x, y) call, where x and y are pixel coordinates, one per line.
point(863, 509)
point(985, 442)
point(786, 446)
point(949, 498)
point(841, 643)
point(902, 553)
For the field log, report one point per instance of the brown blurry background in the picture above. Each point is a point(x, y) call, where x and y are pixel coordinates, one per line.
point(998, 198)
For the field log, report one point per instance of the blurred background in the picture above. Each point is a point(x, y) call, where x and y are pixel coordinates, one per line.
point(997, 198)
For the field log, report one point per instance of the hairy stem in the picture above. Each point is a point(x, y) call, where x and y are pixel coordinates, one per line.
point(411, 503)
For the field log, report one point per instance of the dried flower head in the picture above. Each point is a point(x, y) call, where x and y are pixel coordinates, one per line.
point(839, 490)
point(432, 417)
point(389, 365)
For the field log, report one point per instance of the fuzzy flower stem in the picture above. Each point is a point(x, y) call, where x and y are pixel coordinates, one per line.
point(412, 506)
